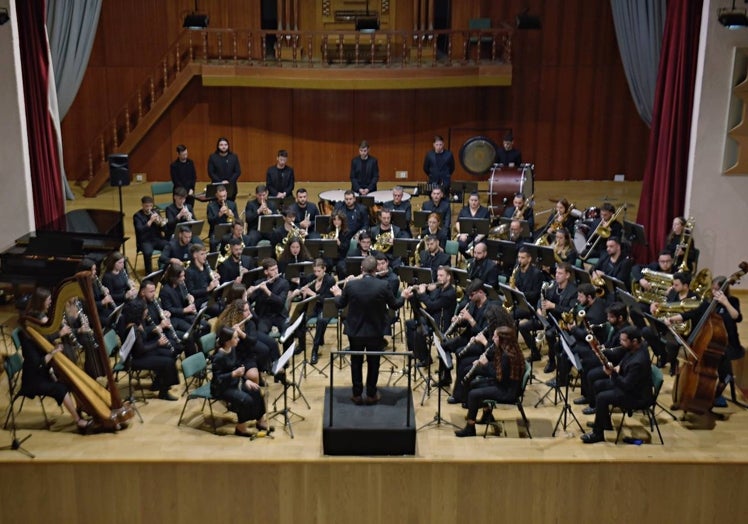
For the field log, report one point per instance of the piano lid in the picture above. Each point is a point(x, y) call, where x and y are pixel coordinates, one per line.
point(99, 222)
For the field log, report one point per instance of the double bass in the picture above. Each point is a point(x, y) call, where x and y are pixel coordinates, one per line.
point(697, 381)
point(102, 403)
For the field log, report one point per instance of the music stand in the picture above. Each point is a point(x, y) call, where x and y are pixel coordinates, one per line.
point(459, 277)
point(294, 322)
point(286, 412)
point(258, 252)
point(251, 276)
point(195, 225)
point(301, 310)
point(544, 255)
point(195, 324)
point(404, 247)
point(275, 203)
point(154, 277)
point(399, 219)
point(473, 226)
point(627, 298)
point(331, 310)
point(420, 218)
point(298, 269)
point(411, 275)
point(212, 258)
point(219, 291)
point(459, 188)
point(634, 233)
point(221, 230)
point(582, 277)
point(267, 223)
point(525, 226)
point(507, 254)
point(446, 360)
point(612, 284)
point(566, 409)
point(366, 200)
point(353, 266)
point(321, 247)
point(210, 190)
point(322, 223)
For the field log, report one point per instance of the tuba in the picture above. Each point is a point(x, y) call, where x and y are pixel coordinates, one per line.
point(102, 403)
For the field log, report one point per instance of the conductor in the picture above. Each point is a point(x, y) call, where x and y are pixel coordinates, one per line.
point(367, 299)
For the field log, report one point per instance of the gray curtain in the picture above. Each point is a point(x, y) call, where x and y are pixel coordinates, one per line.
point(639, 26)
point(71, 29)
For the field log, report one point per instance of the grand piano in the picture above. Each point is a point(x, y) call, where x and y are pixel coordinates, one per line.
point(52, 252)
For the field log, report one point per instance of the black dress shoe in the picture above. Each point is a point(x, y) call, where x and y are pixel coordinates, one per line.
point(314, 359)
point(452, 400)
point(607, 427)
point(165, 395)
point(444, 382)
point(467, 431)
point(592, 437)
point(550, 367)
point(589, 410)
point(581, 401)
point(534, 357)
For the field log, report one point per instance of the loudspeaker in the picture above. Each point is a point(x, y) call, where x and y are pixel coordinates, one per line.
point(119, 170)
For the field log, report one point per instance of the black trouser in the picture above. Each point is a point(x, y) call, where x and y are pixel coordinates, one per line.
point(372, 364)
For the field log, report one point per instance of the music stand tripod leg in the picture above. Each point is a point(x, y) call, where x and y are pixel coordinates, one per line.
point(15, 443)
point(566, 410)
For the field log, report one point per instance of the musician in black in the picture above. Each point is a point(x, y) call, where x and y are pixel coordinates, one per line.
point(356, 215)
point(223, 164)
point(183, 174)
point(149, 233)
point(475, 211)
point(363, 249)
point(201, 280)
point(439, 165)
point(364, 171)
point(497, 376)
point(614, 262)
point(628, 385)
point(607, 211)
point(482, 267)
point(152, 351)
point(269, 295)
point(320, 285)
point(433, 257)
point(157, 321)
point(437, 203)
point(236, 264)
point(390, 232)
point(295, 252)
point(398, 204)
point(102, 297)
point(508, 155)
point(254, 209)
point(679, 240)
point(116, 279)
point(529, 280)
point(433, 227)
point(663, 264)
point(237, 232)
point(220, 211)
point(513, 211)
point(305, 213)
point(562, 218)
point(178, 248)
point(177, 300)
point(279, 178)
point(178, 211)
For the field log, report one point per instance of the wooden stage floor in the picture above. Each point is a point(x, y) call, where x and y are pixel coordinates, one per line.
point(696, 476)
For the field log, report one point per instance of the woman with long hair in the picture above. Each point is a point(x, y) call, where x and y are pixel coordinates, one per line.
point(116, 279)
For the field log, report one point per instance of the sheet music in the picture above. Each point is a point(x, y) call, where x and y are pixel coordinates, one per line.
point(126, 347)
point(279, 364)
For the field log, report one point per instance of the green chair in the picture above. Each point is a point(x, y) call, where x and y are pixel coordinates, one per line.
point(491, 404)
point(479, 24)
point(16, 336)
point(194, 370)
point(649, 409)
point(13, 366)
point(162, 188)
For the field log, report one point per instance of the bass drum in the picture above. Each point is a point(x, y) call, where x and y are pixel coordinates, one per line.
point(505, 182)
point(477, 155)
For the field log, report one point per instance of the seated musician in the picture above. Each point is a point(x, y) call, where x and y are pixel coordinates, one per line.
point(437, 203)
point(254, 209)
point(562, 218)
point(269, 295)
point(678, 240)
point(559, 298)
point(628, 385)
point(236, 264)
point(177, 300)
point(529, 280)
point(294, 253)
point(282, 234)
point(363, 249)
point(149, 352)
point(237, 316)
point(728, 307)
point(36, 379)
point(157, 322)
point(516, 233)
point(201, 280)
point(472, 210)
point(116, 279)
point(434, 257)
point(220, 211)
point(667, 351)
point(149, 233)
point(237, 232)
point(389, 233)
point(178, 248)
point(508, 155)
point(241, 395)
point(339, 232)
point(398, 204)
point(279, 178)
point(438, 299)
point(178, 211)
point(607, 211)
point(663, 264)
point(563, 249)
point(614, 262)
point(104, 301)
point(497, 376)
point(482, 267)
point(592, 368)
point(356, 215)
point(433, 227)
point(521, 210)
point(364, 171)
point(305, 213)
point(319, 285)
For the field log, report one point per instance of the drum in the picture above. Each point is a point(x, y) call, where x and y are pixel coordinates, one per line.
point(328, 200)
point(581, 232)
point(505, 182)
point(592, 213)
point(380, 197)
point(477, 155)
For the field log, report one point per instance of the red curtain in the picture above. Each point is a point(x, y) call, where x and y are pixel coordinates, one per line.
point(664, 186)
point(46, 184)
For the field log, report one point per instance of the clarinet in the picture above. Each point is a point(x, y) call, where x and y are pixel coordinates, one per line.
point(453, 325)
point(86, 325)
point(469, 375)
point(172, 332)
point(484, 332)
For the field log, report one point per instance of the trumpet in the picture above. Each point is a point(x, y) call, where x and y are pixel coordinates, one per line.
point(161, 221)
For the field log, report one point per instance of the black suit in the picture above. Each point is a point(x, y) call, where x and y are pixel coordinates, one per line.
point(222, 168)
point(279, 180)
point(485, 269)
point(434, 261)
point(364, 174)
point(367, 299)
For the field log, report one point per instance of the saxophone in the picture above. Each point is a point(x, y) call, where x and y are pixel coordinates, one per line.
point(513, 276)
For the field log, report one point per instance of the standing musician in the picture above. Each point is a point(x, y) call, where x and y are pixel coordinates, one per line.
point(398, 204)
point(439, 300)
point(628, 385)
point(497, 376)
point(183, 173)
point(236, 264)
point(367, 299)
point(677, 241)
point(364, 171)
point(521, 210)
point(433, 227)
point(241, 395)
point(614, 263)
point(149, 234)
point(438, 204)
point(508, 155)
point(223, 164)
point(201, 280)
point(178, 211)
point(472, 210)
point(528, 279)
point(482, 267)
point(149, 351)
point(177, 300)
point(254, 210)
point(390, 232)
point(356, 215)
point(279, 178)
point(439, 165)
point(116, 279)
point(434, 257)
point(321, 286)
point(305, 213)
point(178, 248)
point(220, 211)
point(157, 323)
